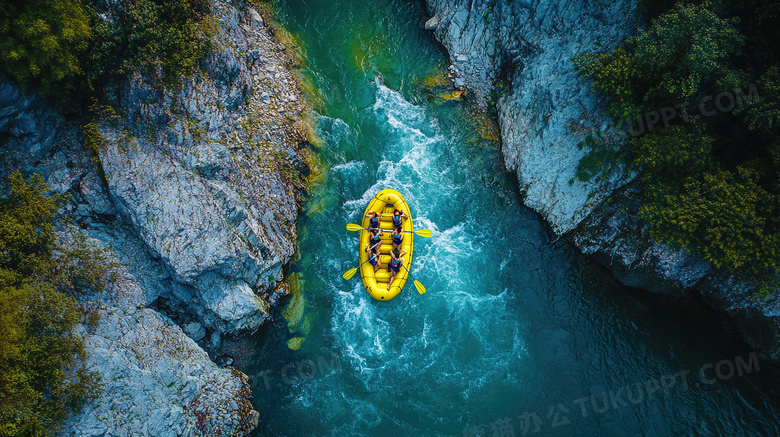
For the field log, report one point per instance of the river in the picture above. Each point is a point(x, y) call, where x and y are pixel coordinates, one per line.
point(518, 333)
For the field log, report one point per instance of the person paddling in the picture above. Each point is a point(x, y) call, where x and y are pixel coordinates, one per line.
point(398, 218)
point(373, 256)
point(373, 220)
point(398, 252)
point(394, 266)
point(398, 237)
point(375, 240)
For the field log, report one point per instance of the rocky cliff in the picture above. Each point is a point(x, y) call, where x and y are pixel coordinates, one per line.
point(519, 53)
point(544, 107)
point(204, 176)
point(196, 193)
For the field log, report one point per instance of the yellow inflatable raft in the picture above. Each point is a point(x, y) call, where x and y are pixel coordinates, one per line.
point(384, 203)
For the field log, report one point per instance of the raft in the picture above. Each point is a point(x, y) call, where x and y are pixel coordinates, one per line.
point(385, 202)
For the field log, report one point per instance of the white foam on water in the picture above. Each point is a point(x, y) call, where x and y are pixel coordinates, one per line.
point(412, 169)
point(409, 167)
point(432, 364)
point(456, 338)
point(357, 206)
point(334, 130)
point(349, 167)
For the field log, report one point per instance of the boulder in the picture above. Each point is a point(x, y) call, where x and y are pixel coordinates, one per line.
point(255, 19)
point(548, 111)
point(195, 331)
point(432, 23)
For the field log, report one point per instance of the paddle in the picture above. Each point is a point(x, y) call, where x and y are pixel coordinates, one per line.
point(351, 272)
point(417, 284)
point(422, 232)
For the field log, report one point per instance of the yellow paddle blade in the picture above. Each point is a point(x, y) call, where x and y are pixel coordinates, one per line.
point(349, 274)
point(423, 233)
point(353, 227)
point(419, 287)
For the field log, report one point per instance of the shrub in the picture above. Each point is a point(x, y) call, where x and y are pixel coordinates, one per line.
point(764, 115)
point(721, 214)
point(712, 183)
point(159, 38)
point(41, 40)
point(93, 139)
point(81, 265)
point(26, 226)
point(672, 152)
point(62, 48)
point(43, 378)
point(601, 160)
point(684, 54)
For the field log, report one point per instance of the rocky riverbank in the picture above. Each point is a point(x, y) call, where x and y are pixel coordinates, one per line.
point(522, 50)
point(196, 193)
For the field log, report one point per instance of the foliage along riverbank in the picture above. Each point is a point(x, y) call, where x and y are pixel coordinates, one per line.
point(710, 175)
point(178, 132)
point(569, 154)
point(71, 50)
point(44, 379)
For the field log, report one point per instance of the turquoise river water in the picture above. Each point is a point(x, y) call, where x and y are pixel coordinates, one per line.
point(518, 334)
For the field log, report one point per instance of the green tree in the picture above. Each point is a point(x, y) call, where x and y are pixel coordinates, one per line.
point(41, 40)
point(160, 38)
point(70, 50)
point(26, 226)
point(43, 379)
point(672, 152)
point(711, 181)
point(721, 214)
point(685, 53)
point(764, 114)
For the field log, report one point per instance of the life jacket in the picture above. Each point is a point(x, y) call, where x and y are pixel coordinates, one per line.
point(397, 221)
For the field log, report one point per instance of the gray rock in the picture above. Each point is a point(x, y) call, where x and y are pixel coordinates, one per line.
point(195, 201)
point(197, 216)
point(432, 23)
point(84, 210)
point(63, 179)
point(91, 188)
point(151, 369)
point(255, 19)
point(28, 127)
point(546, 95)
point(195, 331)
point(215, 341)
